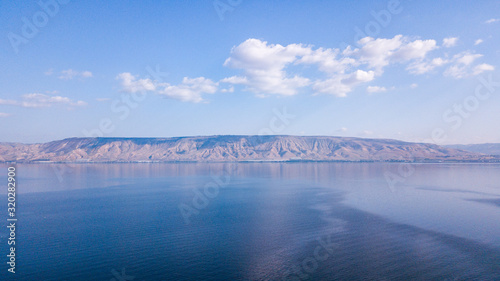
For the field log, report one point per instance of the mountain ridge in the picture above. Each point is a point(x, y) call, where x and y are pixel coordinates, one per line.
point(483, 148)
point(230, 148)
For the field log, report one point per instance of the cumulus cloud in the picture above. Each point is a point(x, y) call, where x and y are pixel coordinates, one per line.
point(235, 80)
point(340, 85)
point(414, 86)
point(263, 67)
point(378, 53)
point(227, 90)
point(266, 68)
point(466, 58)
point(462, 66)
point(410, 50)
point(190, 90)
point(327, 60)
point(86, 74)
point(70, 74)
point(41, 100)
point(285, 70)
point(482, 68)
point(478, 41)
point(37, 100)
point(375, 89)
point(421, 67)
point(492, 20)
point(131, 84)
point(450, 42)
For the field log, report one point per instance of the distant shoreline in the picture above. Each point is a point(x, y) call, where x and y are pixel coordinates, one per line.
point(243, 149)
point(496, 161)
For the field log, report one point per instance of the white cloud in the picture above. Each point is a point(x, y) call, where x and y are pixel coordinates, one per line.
point(227, 90)
point(414, 85)
point(273, 69)
point(450, 42)
point(266, 67)
point(70, 74)
point(3, 114)
point(235, 80)
point(456, 71)
point(378, 53)
point(37, 100)
point(190, 89)
point(421, 67)
point(86, 74)
point(462, 66)
point(375, 89)
point(478, 41)
point(466, 58)
point(417, 49)
point(340, 85)
point(102, 99)
point(41, 100)
point(131, 84)
point(492, 20)
point(263, 67)
point(482, 68)
point(327, 60)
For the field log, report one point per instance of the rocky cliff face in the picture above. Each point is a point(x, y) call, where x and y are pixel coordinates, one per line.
point(231, 148)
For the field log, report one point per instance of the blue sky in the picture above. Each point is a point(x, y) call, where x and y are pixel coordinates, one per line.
point(422, 71)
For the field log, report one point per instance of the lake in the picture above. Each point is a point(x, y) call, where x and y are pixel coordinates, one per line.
point(255, 221)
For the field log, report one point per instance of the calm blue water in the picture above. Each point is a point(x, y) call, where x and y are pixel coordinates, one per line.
point(255, 221)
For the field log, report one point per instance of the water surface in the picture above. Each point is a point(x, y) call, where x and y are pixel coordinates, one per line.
point(256, 221)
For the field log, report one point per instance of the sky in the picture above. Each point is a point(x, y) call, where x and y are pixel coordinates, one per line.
point(420, 71)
